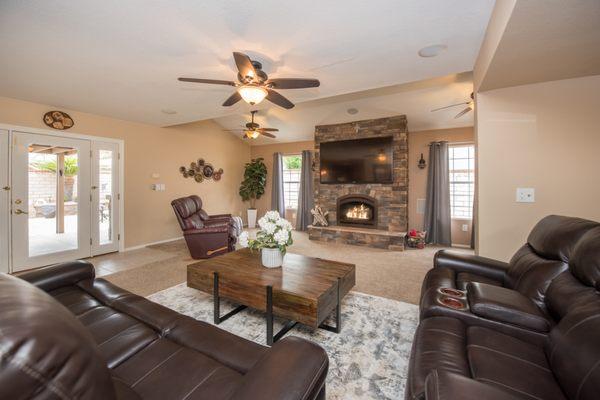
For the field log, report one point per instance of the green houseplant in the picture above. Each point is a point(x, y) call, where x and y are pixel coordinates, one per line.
point(253, 186)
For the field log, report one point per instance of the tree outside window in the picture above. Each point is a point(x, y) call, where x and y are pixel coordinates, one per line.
point(292, 165)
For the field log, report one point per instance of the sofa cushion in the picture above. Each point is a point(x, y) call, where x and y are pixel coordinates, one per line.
point(164, 369)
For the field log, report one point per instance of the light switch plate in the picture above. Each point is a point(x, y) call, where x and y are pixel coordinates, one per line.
point(525, 195)
point(465, 227)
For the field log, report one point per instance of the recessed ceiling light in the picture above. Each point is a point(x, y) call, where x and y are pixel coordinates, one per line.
point(432, 51)
point(168, 111)
point(352, 111)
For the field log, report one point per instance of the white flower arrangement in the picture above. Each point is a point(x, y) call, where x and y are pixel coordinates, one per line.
point(275, 233)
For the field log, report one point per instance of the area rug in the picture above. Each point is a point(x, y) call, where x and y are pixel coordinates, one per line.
point(367, 360)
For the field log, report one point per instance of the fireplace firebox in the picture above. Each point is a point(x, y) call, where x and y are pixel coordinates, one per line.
point(357, 210)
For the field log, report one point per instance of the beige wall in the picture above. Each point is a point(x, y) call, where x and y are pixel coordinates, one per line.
point(418, 142)
point(149, 149)
point(545, 136)
point(266, 151)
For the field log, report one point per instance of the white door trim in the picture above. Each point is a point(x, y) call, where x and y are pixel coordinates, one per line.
point(4, 202)
point(115, 213)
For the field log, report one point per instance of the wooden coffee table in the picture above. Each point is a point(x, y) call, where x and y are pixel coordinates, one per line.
point(304, 290)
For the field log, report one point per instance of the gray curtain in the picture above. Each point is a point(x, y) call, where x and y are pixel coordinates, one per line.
point(277, 199)
point(305, 194)
point(437, 204)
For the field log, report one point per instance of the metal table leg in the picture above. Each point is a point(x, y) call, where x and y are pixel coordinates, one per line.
point(217, 303)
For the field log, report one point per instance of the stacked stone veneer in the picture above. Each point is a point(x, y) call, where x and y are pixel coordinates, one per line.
point(392, 199)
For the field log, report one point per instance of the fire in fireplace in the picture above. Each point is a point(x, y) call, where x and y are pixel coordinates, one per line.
point(357, 210)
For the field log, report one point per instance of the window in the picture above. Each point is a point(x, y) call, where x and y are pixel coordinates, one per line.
point(461, 161)
point(291, 180)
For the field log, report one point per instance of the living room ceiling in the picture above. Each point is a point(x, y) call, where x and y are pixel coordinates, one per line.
point(415, 100)
point(122, 59)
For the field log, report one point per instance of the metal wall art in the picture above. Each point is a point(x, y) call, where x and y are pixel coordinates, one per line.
point(58, 120)
point(200, 170)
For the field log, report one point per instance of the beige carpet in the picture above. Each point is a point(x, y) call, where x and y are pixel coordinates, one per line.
point(394, 275)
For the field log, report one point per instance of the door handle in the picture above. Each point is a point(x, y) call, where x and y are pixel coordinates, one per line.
point(6, 188)
point(18, 212)
point(94, 187)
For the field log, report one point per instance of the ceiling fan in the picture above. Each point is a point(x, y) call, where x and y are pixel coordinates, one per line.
point(254, 85)
point(470, 106)
point(252, 130)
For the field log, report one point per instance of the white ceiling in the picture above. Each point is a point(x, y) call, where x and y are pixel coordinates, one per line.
point(122, 58)
point(415, 100)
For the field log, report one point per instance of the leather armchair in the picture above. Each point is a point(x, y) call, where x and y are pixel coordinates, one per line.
point(206, 235)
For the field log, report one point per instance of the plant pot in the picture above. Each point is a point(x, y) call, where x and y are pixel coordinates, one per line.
point(271, 258)
point(251, 218)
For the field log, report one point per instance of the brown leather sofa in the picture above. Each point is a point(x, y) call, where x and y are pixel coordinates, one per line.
point(506, 343)
point(206, 235)
point(77, 337)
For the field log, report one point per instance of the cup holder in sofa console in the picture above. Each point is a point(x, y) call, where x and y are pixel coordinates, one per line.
point(453, 292)
point(452, 302)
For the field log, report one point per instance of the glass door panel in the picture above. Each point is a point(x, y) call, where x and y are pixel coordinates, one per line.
point(105, 197)
point(50, 199)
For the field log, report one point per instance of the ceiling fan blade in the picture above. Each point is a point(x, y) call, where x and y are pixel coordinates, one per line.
point(244, 65)
point(234, 98)
point(267, 134)
point(268, 129)
point(463, 112)
point(211, 81)
point(293, 83)
point(278, 99)
point(452, 105)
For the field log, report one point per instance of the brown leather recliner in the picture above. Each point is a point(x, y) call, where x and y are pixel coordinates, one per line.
point(530, 270)
point(462, 358)
point(206, 235)
point(77, 337)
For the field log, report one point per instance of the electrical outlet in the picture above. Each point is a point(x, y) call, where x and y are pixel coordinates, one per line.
point(465, 227)
point(525, 195)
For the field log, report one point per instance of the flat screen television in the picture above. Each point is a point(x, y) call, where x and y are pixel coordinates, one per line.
point(357, 161)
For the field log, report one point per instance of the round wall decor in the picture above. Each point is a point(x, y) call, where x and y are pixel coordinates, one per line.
point(58, 120)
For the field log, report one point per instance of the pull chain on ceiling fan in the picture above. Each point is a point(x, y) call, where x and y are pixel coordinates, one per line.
point(254, 85)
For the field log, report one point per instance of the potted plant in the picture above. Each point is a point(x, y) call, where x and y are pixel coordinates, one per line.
point(273, 238)
point(253, 186)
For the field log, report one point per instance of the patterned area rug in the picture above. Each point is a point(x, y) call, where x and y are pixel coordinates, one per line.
point(368, 359)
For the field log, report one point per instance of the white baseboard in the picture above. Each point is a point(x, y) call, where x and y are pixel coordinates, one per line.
point(462, 246)
point(141, 246)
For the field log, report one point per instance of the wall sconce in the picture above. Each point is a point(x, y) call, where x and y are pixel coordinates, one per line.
point(422, 163)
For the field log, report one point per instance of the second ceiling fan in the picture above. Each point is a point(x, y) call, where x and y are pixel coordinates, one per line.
point(254, 85)
point(252, 130)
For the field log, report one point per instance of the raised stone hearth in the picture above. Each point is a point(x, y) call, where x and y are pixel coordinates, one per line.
point(383, 219)
point(358, 236)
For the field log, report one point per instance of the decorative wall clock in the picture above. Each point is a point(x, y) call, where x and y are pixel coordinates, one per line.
point(200, 170)
point(58, 120)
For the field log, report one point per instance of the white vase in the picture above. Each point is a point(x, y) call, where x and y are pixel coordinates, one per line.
point(271, 258)
point(251, 218)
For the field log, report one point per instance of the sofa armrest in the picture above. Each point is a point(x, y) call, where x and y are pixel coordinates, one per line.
point(219, 216)
point(506, 305)
point(292, 369)
point(459, 262)
point(441, 385)
point(59, 275)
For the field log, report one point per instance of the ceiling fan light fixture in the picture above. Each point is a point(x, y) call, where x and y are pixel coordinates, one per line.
point(252, 134)
point(252, 94)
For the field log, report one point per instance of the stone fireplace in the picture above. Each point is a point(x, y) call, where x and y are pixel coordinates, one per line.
point(370, 214)
point(357, 210)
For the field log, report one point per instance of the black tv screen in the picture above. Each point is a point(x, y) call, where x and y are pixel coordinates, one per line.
point(357, 161)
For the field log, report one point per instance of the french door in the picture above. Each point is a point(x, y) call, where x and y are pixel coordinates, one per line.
point(4, 201)
point(50, 199)
point(105, 197)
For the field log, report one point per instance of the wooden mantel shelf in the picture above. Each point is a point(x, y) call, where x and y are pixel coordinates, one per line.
point(337, 228)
